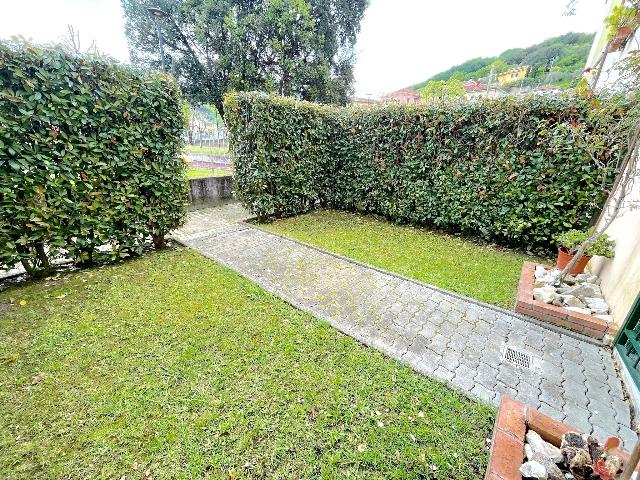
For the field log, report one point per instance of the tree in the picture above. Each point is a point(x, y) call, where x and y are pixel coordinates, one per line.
point(301, 48)
point(443, 90)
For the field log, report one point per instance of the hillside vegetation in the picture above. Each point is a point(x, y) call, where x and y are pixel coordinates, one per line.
point(566, 55)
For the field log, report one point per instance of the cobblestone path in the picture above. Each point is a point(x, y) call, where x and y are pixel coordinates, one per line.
point(439, 334)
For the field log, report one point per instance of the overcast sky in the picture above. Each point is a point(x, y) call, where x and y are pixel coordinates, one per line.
point(401, 42)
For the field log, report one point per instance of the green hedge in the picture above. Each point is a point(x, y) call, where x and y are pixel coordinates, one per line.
point(517, 171)
point(90, 157)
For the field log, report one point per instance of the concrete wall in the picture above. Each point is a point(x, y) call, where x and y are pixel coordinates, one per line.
point(621, 274)
point(210, 190)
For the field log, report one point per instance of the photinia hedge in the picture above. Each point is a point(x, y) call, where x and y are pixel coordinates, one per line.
point(89, 157)
point(515, 170)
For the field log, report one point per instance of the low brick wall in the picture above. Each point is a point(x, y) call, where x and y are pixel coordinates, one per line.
point(210, 189)
point(578, 322)
point(507, 444)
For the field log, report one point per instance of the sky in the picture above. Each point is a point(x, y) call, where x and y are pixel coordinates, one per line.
point(401, 42)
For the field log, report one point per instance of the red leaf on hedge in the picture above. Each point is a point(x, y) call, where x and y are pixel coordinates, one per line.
point(540, 187)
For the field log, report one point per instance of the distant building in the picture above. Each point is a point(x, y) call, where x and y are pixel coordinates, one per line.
point(363, 100)
point(404, 96)
point(548, 90)
point(474, 89)
point(512, 75)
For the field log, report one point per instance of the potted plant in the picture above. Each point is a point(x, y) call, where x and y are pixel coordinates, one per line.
point(569, 242)
point(620, 25)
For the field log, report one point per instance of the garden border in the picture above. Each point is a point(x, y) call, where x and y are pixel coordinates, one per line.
point(574, 321)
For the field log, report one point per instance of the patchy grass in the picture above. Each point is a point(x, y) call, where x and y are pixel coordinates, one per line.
point(171, 366)
point(205, 150)
point(195, 172)
point(478, 270)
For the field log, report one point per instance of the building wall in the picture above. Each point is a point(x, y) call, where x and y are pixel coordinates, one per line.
point(621, 274)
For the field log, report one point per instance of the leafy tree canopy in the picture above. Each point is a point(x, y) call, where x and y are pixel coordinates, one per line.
point(300, 48)
point(558, 61)
point(441, 89)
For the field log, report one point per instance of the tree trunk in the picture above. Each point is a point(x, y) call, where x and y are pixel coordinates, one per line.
point(159, 242)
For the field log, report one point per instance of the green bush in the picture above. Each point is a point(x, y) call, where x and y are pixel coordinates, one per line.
point(517, 171)
point(89, 157)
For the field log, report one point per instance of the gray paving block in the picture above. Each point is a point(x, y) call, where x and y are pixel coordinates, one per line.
point(551, 411)
point(483, 393)
point(442, 373)
point(628, 437)
point(577, 417)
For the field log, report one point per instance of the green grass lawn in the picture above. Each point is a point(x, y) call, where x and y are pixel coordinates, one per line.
point(206, 150)
point(196, 172)
point(474, 269)
point(171, 366)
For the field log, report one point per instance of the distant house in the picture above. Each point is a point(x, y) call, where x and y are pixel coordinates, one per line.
point(512, 75)
point(404, 95)
point(474, 89)
point(548, 90)
point(363, 100)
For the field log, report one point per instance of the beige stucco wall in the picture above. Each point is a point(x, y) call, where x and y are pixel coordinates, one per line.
point(621, 274)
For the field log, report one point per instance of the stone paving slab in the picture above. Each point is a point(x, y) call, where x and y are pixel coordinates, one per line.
point(441, 335)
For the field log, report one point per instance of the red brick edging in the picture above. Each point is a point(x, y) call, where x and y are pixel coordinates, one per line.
point(578, 322)
point(507, 445)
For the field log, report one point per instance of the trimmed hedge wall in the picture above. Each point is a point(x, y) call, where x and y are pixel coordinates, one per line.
point(89, 157)
point(517, 171)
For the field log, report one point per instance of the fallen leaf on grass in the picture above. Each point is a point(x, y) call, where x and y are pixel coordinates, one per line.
point(60, 297)
point(313, 413)
point(37, 379)
point(23, 302)
point(362, 447)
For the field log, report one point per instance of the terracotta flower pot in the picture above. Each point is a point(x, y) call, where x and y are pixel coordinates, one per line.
point(564, 257)
point(622, 35)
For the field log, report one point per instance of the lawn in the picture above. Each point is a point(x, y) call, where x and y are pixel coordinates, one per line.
point(172, 366)
point(205, 150)
point(474, 269)
point(196, 172)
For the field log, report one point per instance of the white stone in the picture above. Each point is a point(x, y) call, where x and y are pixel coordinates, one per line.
point(606, 318)
point(528, 451)
point(533, 470)
point(538, 445)
point(586, 311)
point(545, 294)
point(598, 305)
point(540, 272)
point(571, 301)
point(587, 278)
point(583, 290)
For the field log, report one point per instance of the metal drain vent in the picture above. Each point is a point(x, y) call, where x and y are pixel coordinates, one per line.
point(517, 358)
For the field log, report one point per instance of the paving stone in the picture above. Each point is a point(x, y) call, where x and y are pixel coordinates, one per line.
point(487, 376)
point(604, 419)
point(578, 418)
point(441, 373)
point(623, 414)
point(551, 411)
point(551, 394)
point(464, 378)
point(628, 437)
point(483, 393)
point(438, 334)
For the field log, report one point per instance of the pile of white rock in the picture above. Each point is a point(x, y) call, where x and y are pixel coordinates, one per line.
point(580, 293)
point(580, 457)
